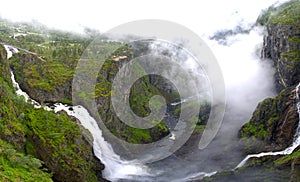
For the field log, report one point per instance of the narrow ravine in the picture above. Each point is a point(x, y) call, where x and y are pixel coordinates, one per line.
point(288, 150)
point(115, 168)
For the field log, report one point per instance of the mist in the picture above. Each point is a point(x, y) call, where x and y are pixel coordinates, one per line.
point(248, 79)
point(203, 17)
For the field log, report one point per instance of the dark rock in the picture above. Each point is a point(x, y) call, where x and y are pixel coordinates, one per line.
point(281, 46)
point(272, 126)
point(273, 123)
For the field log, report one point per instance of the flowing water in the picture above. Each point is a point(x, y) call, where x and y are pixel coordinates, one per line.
point(118, 169)
point(244, 75)
point(115, 167)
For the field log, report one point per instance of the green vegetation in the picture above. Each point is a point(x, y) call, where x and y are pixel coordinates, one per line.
point(287, 13)
point(15, 166)
point(140, 93)
point(257, 131)
point(199, 128)
point(40, 74)
point(53, 138)
point(288, 158)
point(49, 69)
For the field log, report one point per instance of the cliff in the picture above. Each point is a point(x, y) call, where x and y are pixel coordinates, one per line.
point(61, 148)
point(275, 120)
point(273, 123)
point(140, 93)
point(43, 80)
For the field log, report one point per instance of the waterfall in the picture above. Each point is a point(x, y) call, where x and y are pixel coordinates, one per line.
point(288, 150)
point(115, 167)
point(10, 50)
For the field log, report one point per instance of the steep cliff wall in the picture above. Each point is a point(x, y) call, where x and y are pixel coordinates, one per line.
point(43, 80)
point(275, 120)
point(282, 42)
point(281, 46)
point(273, 123)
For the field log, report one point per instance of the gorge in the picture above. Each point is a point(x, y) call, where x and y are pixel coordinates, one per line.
point(48, 138)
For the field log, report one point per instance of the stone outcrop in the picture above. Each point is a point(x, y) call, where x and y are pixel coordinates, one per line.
point(42, 80)
point(281, 46)
point(273, 123)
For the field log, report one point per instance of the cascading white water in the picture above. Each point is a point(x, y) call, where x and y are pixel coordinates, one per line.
point(10, 50)
point(288, 150)
point(115, 167)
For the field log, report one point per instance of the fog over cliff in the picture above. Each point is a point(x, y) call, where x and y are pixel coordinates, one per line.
point(248, 79)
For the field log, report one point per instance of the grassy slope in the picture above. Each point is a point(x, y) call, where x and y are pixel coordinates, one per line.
point(20, 124)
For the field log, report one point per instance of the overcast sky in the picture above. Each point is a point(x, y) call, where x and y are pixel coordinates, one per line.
point(197, 15)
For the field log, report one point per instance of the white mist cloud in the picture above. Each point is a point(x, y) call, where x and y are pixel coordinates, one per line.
point(200, 16)
point(248, 79)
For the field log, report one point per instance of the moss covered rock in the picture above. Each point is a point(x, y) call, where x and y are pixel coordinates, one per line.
point(282, 42)
point(273, 123)
point(140, 93)
point(43, 80)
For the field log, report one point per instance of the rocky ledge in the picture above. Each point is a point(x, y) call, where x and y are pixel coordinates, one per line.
point(274, 122)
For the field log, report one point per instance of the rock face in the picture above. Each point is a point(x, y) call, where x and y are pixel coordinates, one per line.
point(274, 121)
point(140, 93)
point(281, 46)
point(42, 80)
